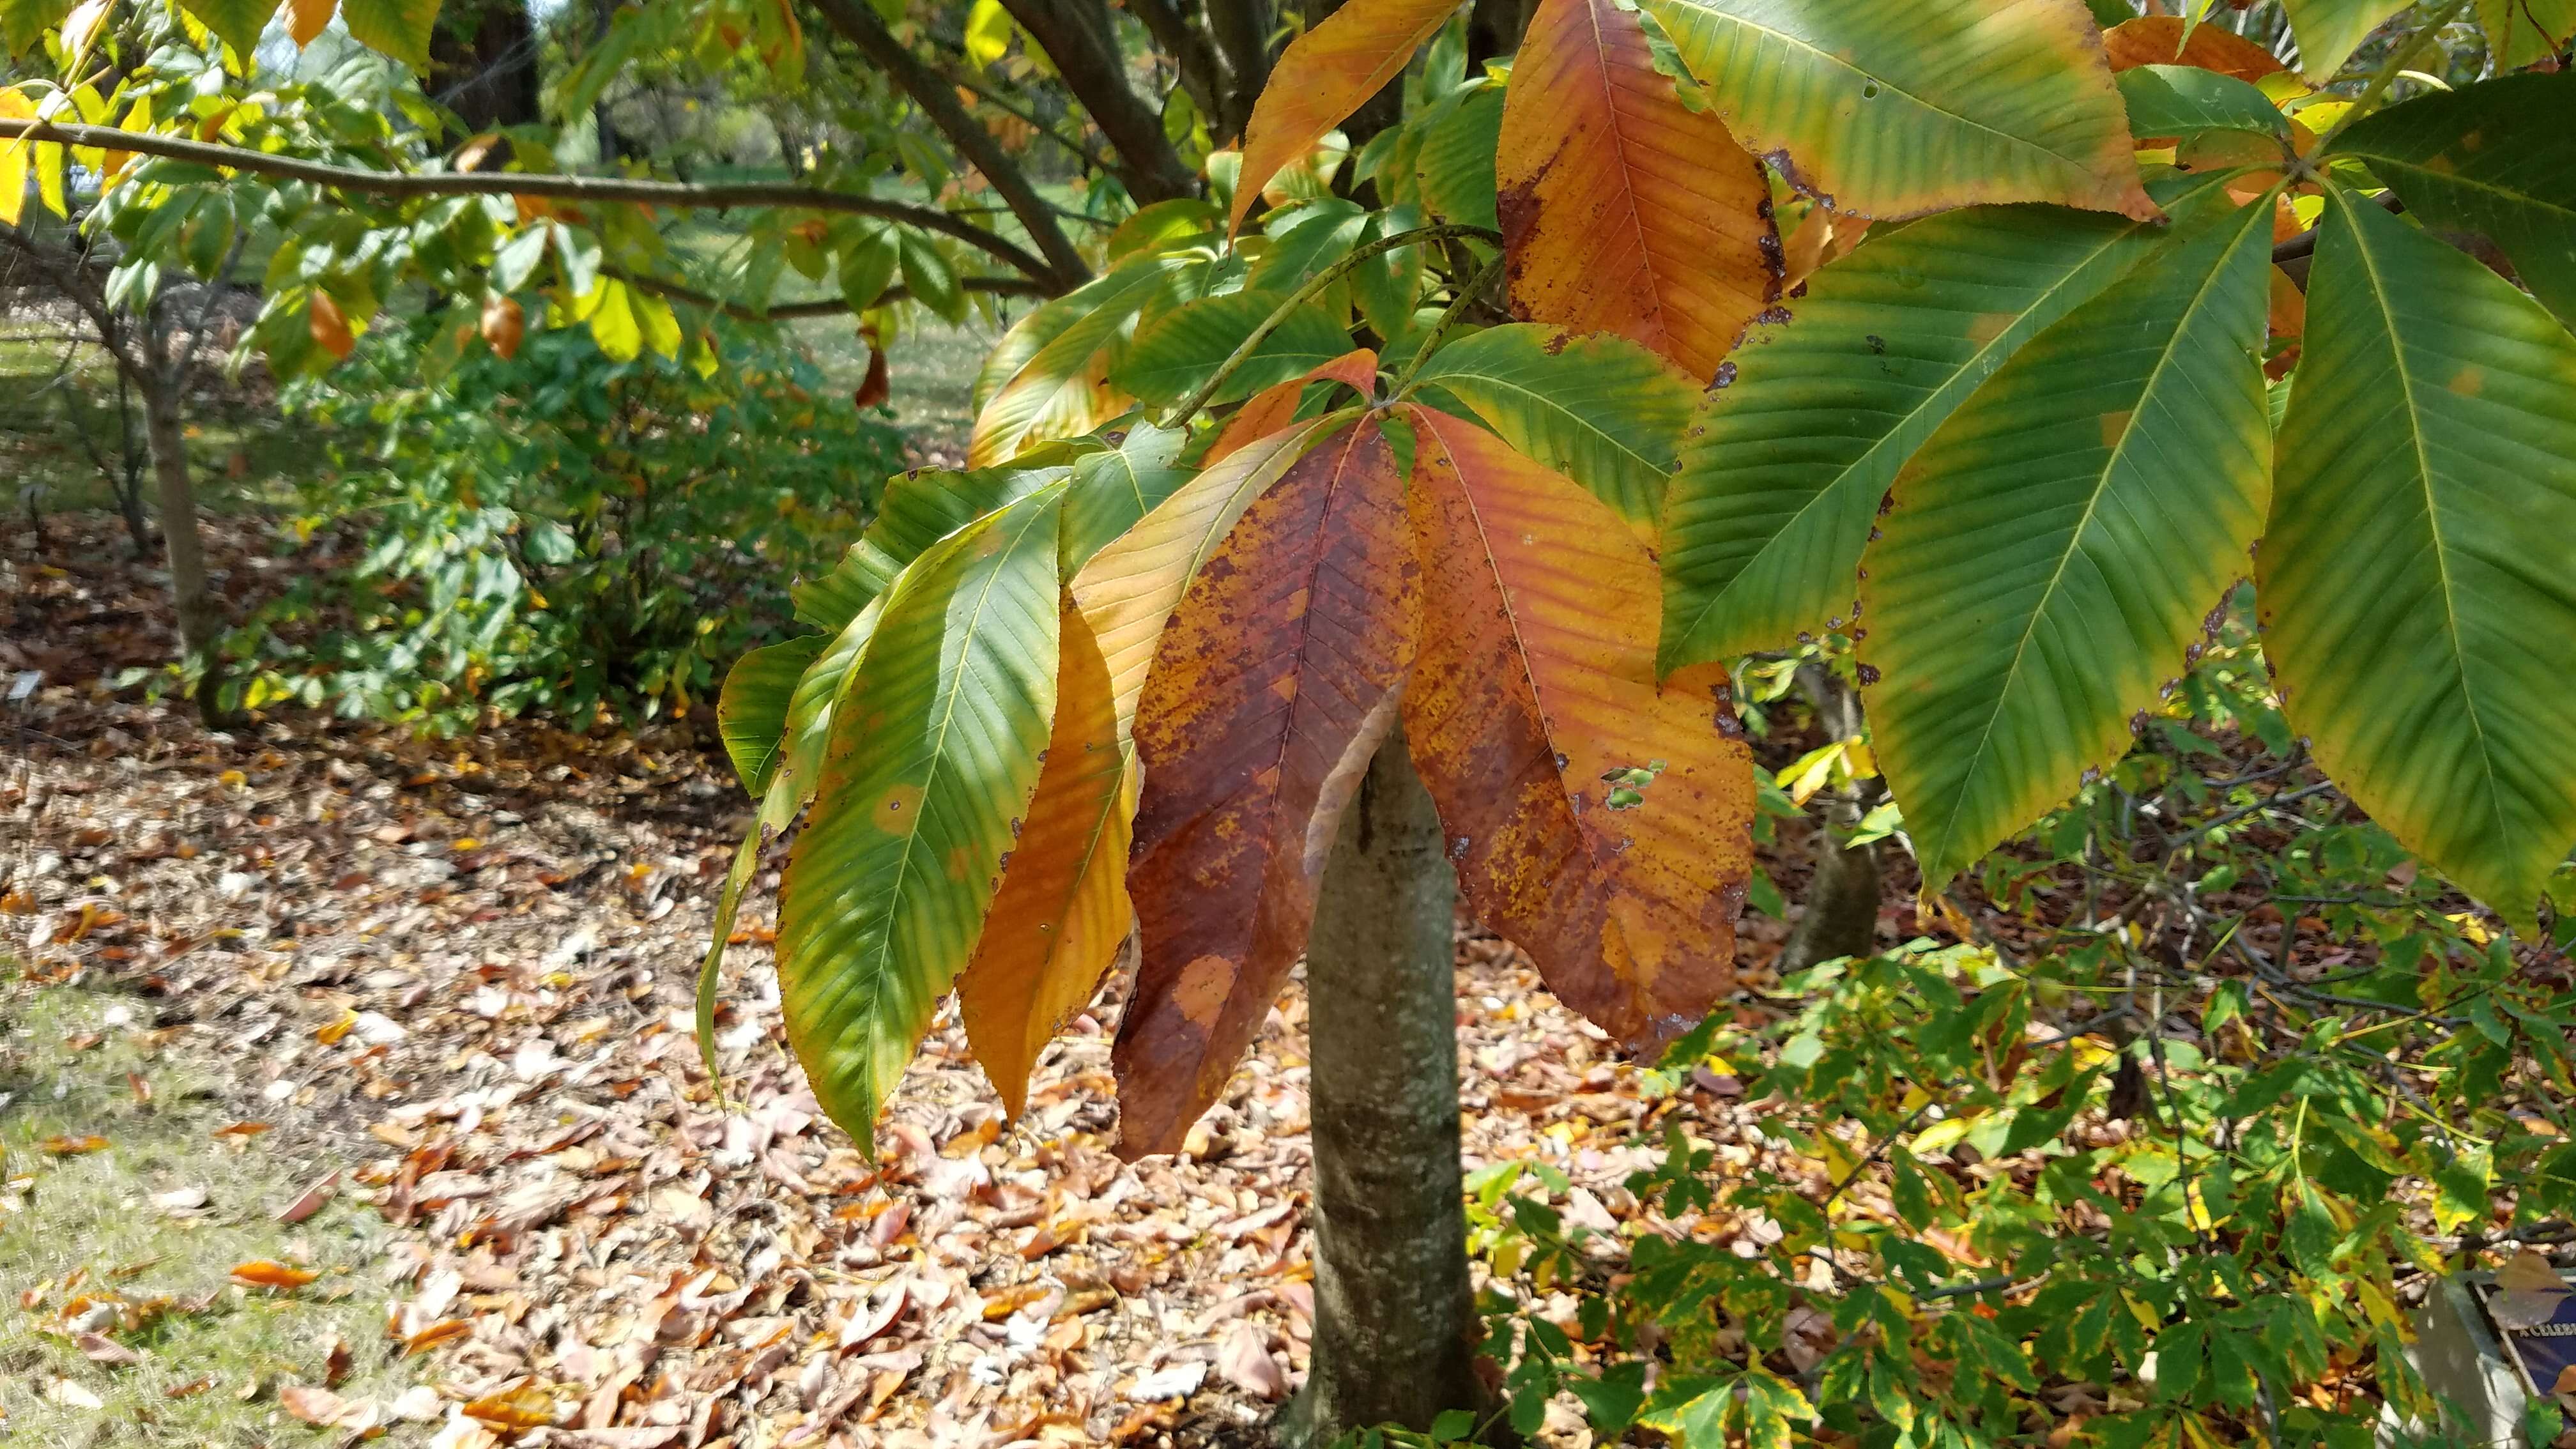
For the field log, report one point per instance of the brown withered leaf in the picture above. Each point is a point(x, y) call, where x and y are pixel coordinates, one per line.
point(2158, 40)
point(1270, 690)
point(66, 1146)
point(1062, 910)
point(1622, 209)
point(1534, 692)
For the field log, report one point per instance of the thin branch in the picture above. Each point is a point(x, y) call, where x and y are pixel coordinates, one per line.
point(958, 75)
point(525, 183)
point(857, 22)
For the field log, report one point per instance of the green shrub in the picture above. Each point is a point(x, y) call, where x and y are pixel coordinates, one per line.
point(557, 532)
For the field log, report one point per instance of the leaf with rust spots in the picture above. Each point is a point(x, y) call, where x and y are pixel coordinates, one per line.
point(1895, 108)
point(2159, 40)
point(1062, 911)
point(2440, 153)
point(1535, 680)
point(917, 794)
point(1275, 407)
point(1323, 76)
point(1270, 689)
point(2419, 606)
point(1129, 589)
point(2055, 547)
point(1623, 210)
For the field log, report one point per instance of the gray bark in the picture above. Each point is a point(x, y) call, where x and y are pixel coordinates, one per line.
point(1839, 916)
point(1395, 1324)
point(200, 621)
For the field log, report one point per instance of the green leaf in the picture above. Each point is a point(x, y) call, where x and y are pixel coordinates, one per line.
point(919, 508)
point(927, 273)
point(2520, 33)
point(1896, 108)
point(2182, 100)
point(2418, 606)
point(1177, 352)
point(1056, 389)
point(751, 713)
point(237, 23)
point(2472, 160)
point(1113, 488)
point(2329, 31)
point(23, 23)
point(1599, 409)
point(934, 754)
point(2054, 548)
point(868, 265)
point(1455, 166)
point(398, 28)
point(1799, 440)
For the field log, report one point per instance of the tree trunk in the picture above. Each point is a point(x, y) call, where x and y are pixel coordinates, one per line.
point(1242, 30)
point(1395, 1322)
point(1082, 40)
point(200, 620)
point(1839, 916)
point(857, 22)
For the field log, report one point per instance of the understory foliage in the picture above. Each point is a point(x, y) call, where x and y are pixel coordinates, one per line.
point(557, 531)
point(2171, 1141)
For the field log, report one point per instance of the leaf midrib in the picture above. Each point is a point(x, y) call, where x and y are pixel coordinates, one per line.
point(876, 962)
point(2379, 295)
point(2012, 680)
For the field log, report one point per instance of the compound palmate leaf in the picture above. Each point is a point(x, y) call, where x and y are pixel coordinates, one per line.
point(1323, 76)
point(1271, 688)
point(2418, 577)
point(1784, 469)
point(1534, 691)
point(1895, 108)
point(2053, 550)
point(1062, 910)
point(2468, 160)
point(933, 755)
point(1622, 209)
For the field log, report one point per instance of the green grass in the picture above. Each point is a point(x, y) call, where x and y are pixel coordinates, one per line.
point(94, 1215)
point(240, 450)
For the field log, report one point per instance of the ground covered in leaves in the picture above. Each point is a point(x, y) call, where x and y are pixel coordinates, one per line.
point(349, 1079)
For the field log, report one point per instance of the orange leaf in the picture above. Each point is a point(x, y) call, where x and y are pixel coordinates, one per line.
point(1062, 910)
point(330, 327)
point(1323, 76)
point(1273, 684)
point(330, 1032)
point(241, 1129)
point(436, 1334)
point(525, 1407)
point(1536, 680)
point(1622, 210)
point(1275, 407)
point(307, 19)
point(75, 1146)
point(504, 323)
point(268, 1273)
point(2158, 40)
